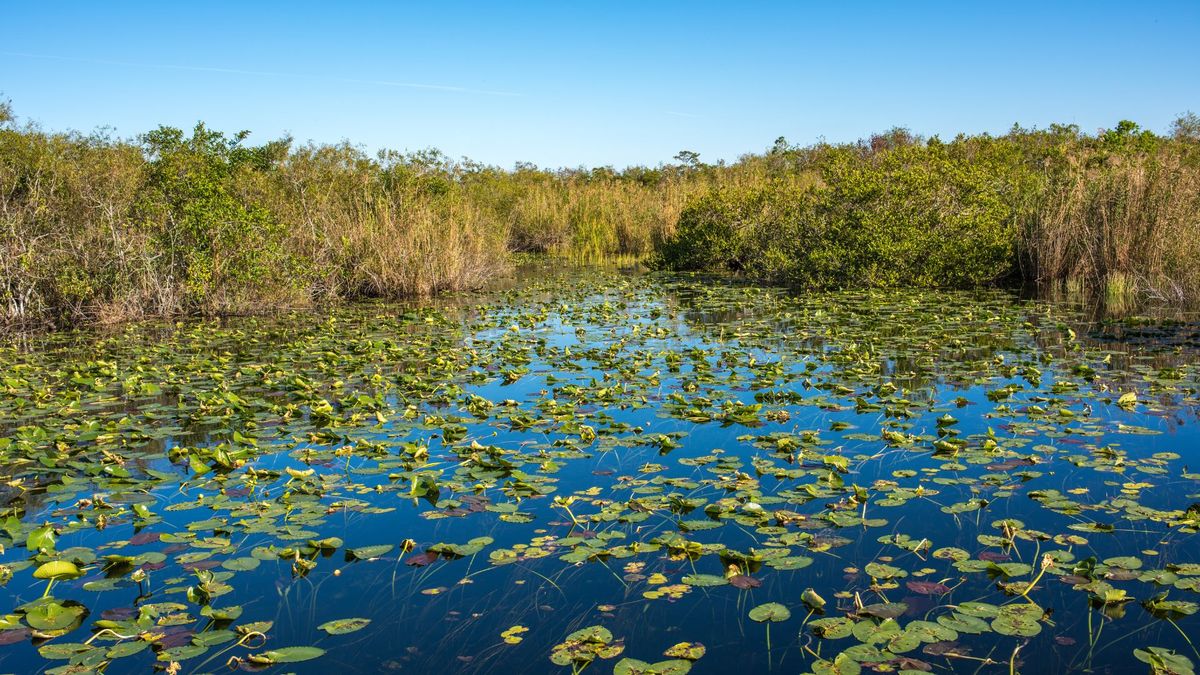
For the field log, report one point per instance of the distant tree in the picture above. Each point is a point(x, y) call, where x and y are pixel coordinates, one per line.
point(472, 166)
point(688, 159)
point(896, 137)
point(1128, 136)
point(1070, 131)
point(429, 160)
point(603, 173)
point(1186, 127)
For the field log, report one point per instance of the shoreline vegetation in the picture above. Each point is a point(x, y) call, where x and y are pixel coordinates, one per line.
point(96, 229)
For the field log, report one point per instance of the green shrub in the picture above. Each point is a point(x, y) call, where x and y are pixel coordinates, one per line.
point(100, 229)
point(226, 249)
point(915, 215)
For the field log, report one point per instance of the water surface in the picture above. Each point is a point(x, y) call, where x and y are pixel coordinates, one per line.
point(920, 481)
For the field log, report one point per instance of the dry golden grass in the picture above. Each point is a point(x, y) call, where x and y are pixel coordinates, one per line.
point(1129, 223)
point(101, 230)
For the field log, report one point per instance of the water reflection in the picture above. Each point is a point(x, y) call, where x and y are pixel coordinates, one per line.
point(911, 452)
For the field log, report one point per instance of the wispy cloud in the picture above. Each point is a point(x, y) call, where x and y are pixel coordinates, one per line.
point(264, 73)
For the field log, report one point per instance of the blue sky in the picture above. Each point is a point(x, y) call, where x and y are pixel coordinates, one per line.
point(571, 83)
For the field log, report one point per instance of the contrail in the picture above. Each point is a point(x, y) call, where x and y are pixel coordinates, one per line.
point(264, 73)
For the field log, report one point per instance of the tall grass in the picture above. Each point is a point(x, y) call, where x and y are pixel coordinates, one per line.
point(1116, 212)
point(1124, 224)
point(584, 215)
point(97, 229)
point(380, 228)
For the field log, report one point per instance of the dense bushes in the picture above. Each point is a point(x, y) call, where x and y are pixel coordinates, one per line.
point(100, 229)
point(69, 240)
point(225, 249)
point(918, 215)
point(1053, 207)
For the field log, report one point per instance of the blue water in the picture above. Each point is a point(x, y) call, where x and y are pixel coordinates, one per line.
point(646, 339)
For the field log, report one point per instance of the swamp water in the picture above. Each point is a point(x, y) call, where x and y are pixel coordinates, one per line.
point(611, 473)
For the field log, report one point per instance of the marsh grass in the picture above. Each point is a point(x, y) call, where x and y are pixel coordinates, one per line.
point(1113, 213)
point(1124, 224)
point(101, 230)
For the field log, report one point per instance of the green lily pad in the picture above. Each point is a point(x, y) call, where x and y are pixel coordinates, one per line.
point(287, 655)
point(57, 569)
point(343, 626)
point(369, 552)
point(771, 611)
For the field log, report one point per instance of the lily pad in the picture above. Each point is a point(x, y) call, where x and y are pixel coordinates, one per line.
point(343, 626)
point(771, 611)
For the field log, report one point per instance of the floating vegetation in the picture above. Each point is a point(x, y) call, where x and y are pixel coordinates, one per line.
point(626, 473)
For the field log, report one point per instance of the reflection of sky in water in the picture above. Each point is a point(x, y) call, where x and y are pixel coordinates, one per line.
point(457, 629)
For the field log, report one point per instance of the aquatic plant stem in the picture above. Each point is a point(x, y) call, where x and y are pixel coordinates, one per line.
point(1185, 637)
point(769, 659)
point(1046, 563)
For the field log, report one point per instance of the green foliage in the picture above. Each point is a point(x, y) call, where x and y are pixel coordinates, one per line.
point(97, 229)
point(1128, 136)
point(218, 242)
point(916, 215)
point(897, 210)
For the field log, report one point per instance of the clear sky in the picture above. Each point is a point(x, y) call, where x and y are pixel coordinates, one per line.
point(569, 83)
